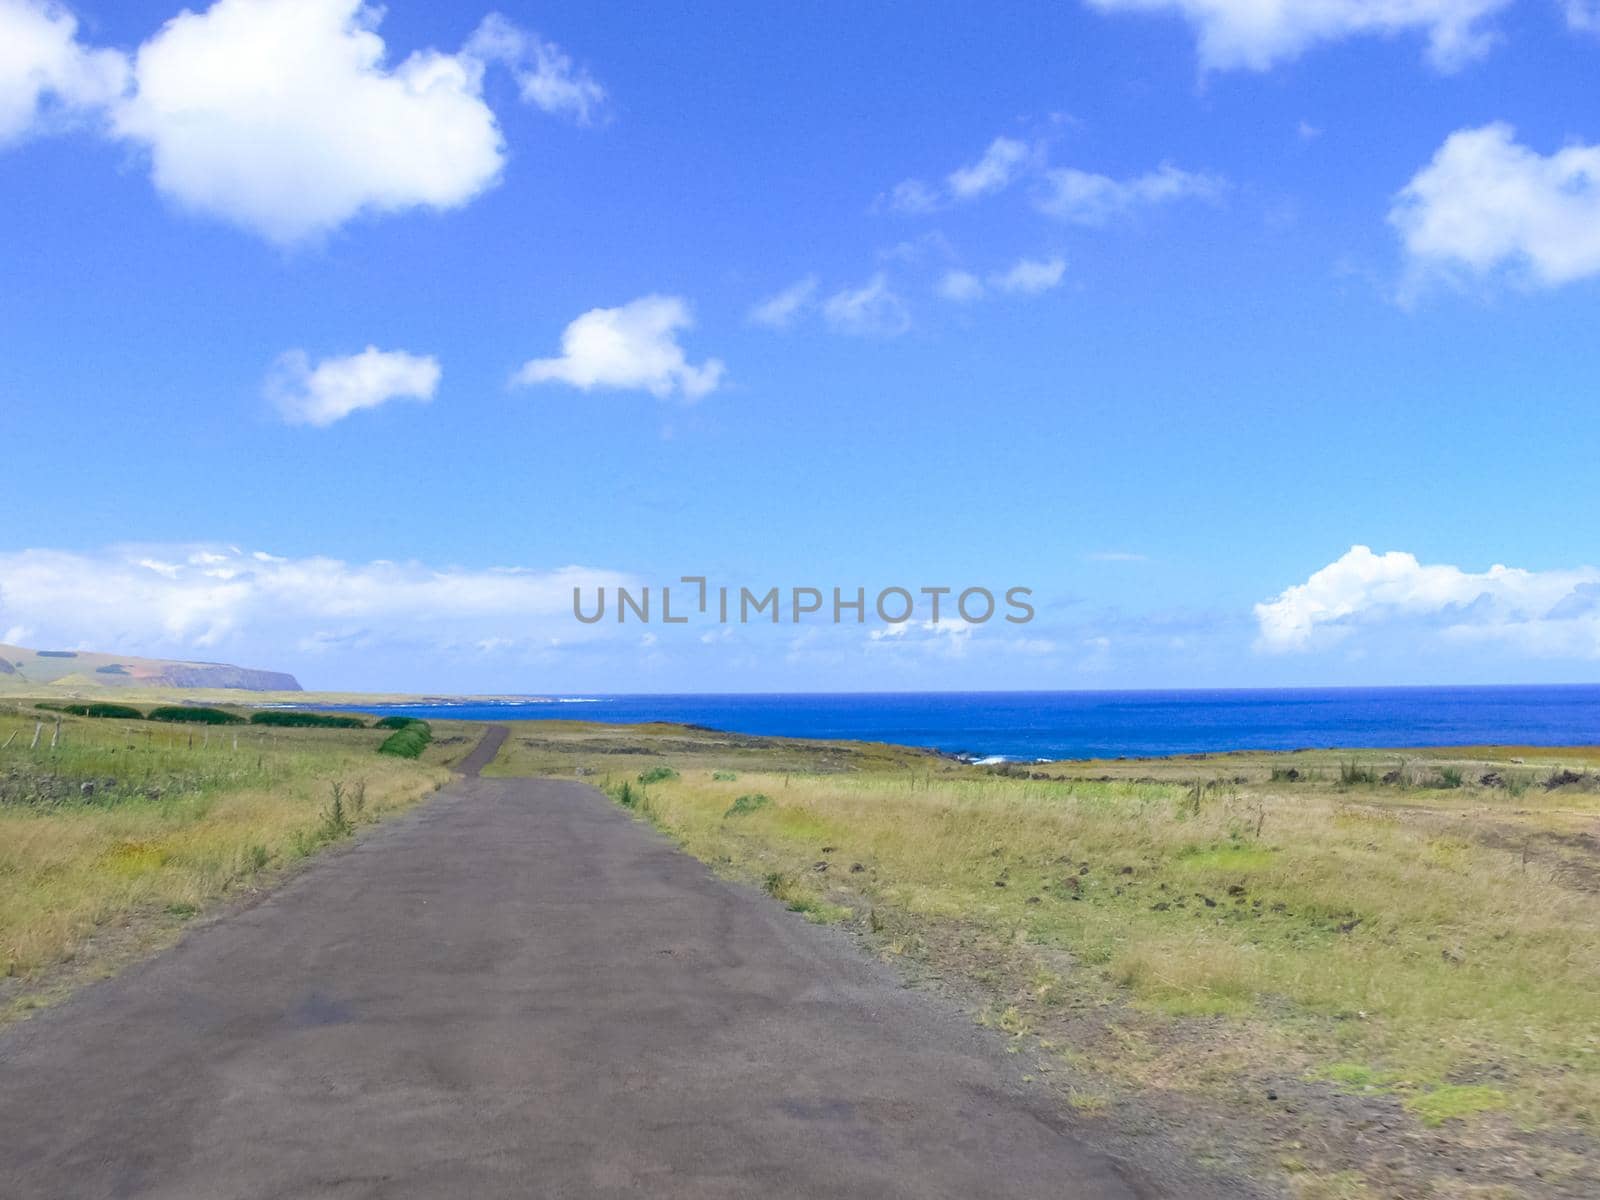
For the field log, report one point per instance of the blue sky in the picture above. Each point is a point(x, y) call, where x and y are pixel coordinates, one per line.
point(1154, 307)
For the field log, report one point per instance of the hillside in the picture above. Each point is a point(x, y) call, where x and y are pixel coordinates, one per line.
point(65, 670)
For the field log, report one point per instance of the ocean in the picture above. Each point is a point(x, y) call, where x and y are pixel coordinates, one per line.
point(1037, 725)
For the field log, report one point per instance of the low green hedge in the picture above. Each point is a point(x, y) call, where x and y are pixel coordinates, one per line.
point(396, 722)
point(195, 715)
point(125, 712)
point(408, 742)
point(305, 720)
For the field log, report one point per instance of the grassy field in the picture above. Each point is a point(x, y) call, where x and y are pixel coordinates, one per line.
point(114, 832)
point(1369, 973)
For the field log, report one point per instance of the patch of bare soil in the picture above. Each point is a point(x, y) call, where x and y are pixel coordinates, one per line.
point(1574, 858)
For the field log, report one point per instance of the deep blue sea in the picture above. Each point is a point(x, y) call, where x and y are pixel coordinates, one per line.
point(1030, 725)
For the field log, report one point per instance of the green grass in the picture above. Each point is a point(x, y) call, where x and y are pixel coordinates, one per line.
point(1455, 1103)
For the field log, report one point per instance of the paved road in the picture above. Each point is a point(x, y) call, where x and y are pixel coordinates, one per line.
point(517, 990)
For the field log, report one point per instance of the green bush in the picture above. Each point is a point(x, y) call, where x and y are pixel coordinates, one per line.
point(125, 712)
point(753, 802)
point(396, 722)
point(657, 775)
point(408, 742)
point(195, 715)
point(305, 720)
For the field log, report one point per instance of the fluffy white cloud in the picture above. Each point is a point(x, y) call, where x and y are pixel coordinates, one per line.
point(1030, 276)
point(1084, 198)
point(337, 387)
point(634, 347)
point(1000, 164)
point(1256, 34)
point(1536, 612)
point(873, 309)
point(781, 310)
point(176, 599)
point(282, 116)
point(1583, 15)
point(285, 116)
point(546, 77)
point(45, 71)
point(1487, 203)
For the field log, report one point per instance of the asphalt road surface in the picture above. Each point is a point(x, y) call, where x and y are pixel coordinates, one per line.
point(518, 990)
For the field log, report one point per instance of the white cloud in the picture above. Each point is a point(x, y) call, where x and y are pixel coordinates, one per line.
point(947, 637)
point(1085, 198)
point(177, 599)
point(1117, 556)
point(1030, 276)
point(873, 309)
point(1026, 277)
point(46, 74)
point(1583, 15)
point(1539, 612)
point(337, 387)
point(961, 286)
point(1486, 203)
point(999, 166)
point(1256, 34)
point(285, 117)
point(281, 116)
point(546, 77)
point(914, 196)
point(634, 347)
point(781, 310)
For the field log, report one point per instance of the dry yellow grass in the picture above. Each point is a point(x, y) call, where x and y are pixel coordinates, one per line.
point(173, 820)
point(1439, 944)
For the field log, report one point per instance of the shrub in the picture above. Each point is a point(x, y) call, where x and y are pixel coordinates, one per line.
point(657, 775)
point(409, 741)
point(396, 722)
point(1353, 773)
point(195, 714)
point(305, 720)
point(125, 712)
point(750, 803)
point(121, 712)
point(724, 776)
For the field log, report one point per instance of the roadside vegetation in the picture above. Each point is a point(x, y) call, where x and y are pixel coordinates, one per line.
point(286, 719)
point(408, 741)
point(1373, 974)
point(113, 832)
